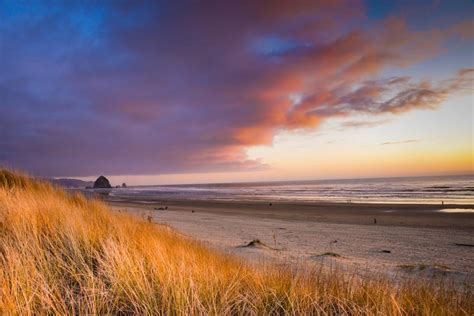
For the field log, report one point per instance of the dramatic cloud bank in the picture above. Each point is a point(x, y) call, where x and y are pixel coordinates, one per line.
point(128, 88)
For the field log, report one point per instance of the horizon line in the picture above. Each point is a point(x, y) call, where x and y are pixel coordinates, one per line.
point(284, 181)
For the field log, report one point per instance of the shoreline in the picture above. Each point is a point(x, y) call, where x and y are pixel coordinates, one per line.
point(405, 215)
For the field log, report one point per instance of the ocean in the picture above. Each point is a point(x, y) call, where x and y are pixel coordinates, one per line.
point(418, 190)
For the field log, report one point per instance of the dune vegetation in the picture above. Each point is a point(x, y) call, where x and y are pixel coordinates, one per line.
point(61, 253)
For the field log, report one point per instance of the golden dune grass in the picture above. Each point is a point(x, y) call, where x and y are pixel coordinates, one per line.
point(61, 253)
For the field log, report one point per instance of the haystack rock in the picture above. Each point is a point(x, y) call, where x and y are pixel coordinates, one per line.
point(124, 185)
point(102, 183)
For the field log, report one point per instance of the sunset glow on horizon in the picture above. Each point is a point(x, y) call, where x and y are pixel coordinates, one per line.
point(163, 93)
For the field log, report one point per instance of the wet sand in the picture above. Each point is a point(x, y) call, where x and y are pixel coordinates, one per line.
point(407, 240)
point(411, 215)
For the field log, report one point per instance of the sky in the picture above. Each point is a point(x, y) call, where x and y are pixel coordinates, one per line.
point(152, 92)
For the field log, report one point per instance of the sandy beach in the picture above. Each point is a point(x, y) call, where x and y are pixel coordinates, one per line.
point(406, 241)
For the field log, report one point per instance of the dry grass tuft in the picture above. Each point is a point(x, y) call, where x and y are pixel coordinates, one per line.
point(61, 253)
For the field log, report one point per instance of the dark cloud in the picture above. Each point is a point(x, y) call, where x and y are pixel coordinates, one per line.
point(394, 96)
point(151, 87)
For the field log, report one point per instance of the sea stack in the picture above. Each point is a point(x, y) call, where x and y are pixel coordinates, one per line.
point(102, 183)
